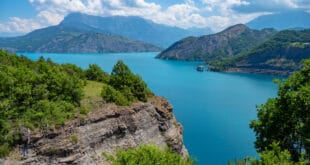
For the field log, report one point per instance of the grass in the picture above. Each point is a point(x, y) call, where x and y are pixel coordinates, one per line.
point(92, 98)
point(92, 89)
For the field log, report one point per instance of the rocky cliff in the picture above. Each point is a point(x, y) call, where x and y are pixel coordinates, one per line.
point(109, 127)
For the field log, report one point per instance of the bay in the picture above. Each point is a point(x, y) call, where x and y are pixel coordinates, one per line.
point(215, 109)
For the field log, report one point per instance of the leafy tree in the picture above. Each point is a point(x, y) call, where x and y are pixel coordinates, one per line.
point(148, 155)
point(271, 156)
point(34, 94)
point(286, 118)
point(129, 84)
point(94, 72)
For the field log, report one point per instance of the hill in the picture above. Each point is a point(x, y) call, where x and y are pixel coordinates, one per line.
point(63, 39)
point(227, 43)
point(281, 54)
point(279, 21)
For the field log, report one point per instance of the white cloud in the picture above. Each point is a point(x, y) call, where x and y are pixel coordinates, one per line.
point(18, 25)
point(215, 14)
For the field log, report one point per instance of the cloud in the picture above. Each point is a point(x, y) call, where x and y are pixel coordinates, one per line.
point(19, 25)
point(214, 14)
point(273, 6)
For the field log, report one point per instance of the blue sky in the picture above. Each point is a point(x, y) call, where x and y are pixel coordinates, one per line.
point(22, 16)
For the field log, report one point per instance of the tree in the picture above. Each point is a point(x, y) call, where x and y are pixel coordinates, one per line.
point(286, 118)
point(94, 72)
point(272, 156)
point(34, 94)
point(130, 85)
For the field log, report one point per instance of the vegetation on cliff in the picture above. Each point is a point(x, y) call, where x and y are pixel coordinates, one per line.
point(148, 155)
point(34, 95)
point(125, 87)
point(38, 95)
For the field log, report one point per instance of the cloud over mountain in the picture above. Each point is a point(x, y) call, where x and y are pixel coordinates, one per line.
point(215, 14)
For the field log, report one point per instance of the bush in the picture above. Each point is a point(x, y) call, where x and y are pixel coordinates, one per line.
point(148, 155)
point(110, 95)
point(94, 72)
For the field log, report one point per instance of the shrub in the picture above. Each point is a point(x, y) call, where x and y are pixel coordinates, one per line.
point(110, 95)
point(148, 155)
point(94, 72)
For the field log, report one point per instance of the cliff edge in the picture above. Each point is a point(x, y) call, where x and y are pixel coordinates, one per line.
point(109, 127)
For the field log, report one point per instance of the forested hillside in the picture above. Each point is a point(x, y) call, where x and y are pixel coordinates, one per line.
point(281, 54)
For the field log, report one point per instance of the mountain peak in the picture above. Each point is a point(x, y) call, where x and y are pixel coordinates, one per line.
point(235, 29)
point(133, 27)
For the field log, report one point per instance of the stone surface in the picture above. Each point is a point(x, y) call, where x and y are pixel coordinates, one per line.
point(82, 141)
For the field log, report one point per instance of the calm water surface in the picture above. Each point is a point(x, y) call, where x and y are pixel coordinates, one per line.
point(214, 108)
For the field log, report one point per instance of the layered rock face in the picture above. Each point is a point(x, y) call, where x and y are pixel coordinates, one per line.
point(106, 129)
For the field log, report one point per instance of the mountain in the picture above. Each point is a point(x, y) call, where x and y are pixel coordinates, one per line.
point(227, 43)
point(281, 21)
point(281, 54)
point(64, 39)
point(132, 27)
point(81, 33)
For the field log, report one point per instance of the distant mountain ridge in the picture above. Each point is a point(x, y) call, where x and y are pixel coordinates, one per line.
point(81, 33)
point(227, 43)
point(282, 21)
point(132, 27)
point(61, 39)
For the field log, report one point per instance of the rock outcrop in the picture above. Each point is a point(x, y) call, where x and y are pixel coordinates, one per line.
point(82, 140)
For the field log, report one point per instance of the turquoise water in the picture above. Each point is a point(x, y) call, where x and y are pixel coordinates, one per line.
point(214, 108)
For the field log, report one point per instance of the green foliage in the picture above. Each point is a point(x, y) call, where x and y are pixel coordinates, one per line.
point(73, 70)
point(124, 83)
point(148, 155)
point(272, 156)
point(34, 95)
point(110, 95)
point(94, 72)
point(74, 139)
point(286, 118)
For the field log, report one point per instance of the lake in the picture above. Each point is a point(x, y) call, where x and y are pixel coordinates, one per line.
point(214, 108)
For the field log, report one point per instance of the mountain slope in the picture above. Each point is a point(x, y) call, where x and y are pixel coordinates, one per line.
point(281, 54)
point(227, 43)
point(62, 39)
point(297, 19)
point(132, 27)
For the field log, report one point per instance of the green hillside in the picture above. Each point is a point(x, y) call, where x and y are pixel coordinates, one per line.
point(281, 54)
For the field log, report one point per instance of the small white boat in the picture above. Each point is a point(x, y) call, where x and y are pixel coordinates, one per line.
point(200, 68)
